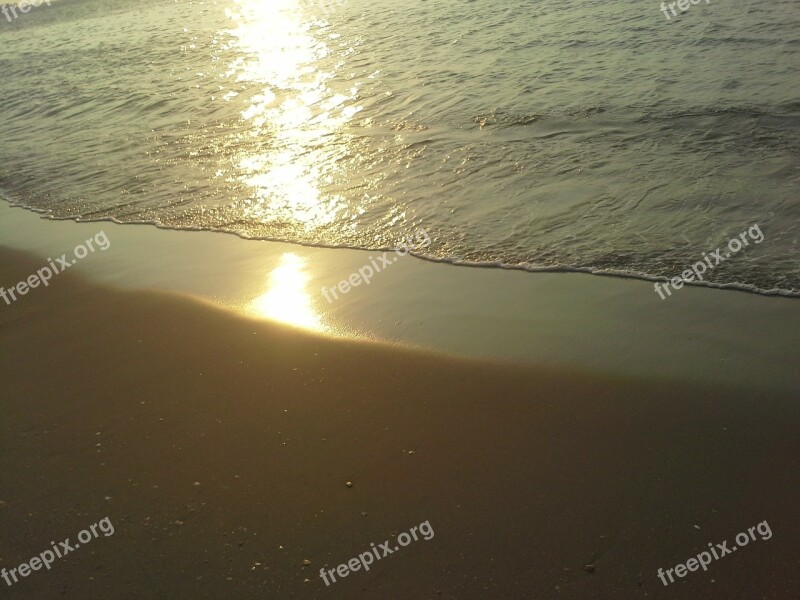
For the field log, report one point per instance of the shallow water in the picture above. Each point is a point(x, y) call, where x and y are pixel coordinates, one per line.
point(567, 135)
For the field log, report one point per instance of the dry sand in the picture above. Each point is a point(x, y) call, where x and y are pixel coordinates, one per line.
point(117, 403)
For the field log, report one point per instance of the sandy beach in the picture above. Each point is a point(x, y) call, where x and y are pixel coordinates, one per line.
point(221, 448)
point(311, 299)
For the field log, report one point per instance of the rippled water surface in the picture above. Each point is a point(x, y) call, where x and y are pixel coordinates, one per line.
point(566, 134)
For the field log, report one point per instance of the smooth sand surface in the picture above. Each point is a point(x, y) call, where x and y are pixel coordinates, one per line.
point(116, 403)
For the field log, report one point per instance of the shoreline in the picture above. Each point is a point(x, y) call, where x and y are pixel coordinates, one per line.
point(624, 329)
point(733, 287)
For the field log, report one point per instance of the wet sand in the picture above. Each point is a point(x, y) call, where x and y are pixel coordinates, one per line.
point(608, 325)
point(119, 403)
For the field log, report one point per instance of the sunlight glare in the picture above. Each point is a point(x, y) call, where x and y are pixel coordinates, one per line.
point(296, 139)
point(286, 299)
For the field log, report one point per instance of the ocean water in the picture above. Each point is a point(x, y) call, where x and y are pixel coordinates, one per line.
point(555, 134)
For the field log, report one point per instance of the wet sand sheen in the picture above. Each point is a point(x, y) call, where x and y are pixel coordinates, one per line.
point(602, 324)
point(525, 474)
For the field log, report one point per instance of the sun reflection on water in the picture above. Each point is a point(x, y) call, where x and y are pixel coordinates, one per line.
point(295, 144)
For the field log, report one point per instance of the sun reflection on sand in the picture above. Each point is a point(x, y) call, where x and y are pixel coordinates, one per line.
point(286, 299)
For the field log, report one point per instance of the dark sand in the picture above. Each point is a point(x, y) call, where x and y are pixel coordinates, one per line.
point(525, 474)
